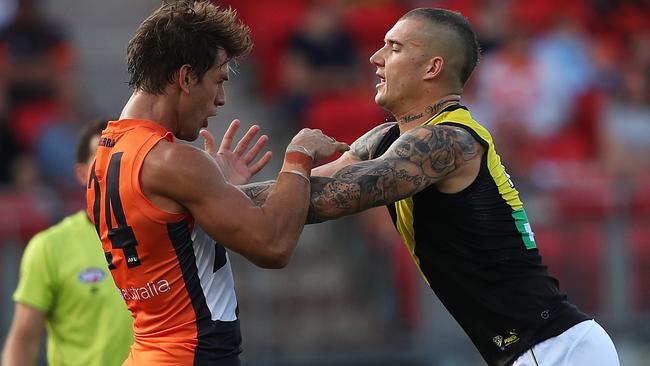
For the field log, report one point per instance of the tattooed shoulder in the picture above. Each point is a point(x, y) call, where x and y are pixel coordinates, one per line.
point(363, 147)
point(439, 150)
point(434, 138)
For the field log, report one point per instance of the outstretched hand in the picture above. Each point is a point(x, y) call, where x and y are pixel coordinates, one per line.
point(237, 167)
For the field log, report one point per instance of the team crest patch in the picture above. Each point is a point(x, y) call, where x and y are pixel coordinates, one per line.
point(92, 275)
point(502, 343)
point(498, 340)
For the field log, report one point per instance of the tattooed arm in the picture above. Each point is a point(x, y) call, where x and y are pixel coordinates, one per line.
point(257, 191)
point(418, 159)
point(360, 150)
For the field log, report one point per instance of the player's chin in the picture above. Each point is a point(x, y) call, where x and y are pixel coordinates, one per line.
point(379, 99)
point(189, 135)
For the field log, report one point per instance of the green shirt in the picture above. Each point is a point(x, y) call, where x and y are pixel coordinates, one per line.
point(64, 274)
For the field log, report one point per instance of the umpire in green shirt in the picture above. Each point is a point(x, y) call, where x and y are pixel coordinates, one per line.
point(65, 285)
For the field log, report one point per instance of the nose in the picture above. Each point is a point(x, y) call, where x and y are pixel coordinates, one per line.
point(376, 59)
point(219, 100)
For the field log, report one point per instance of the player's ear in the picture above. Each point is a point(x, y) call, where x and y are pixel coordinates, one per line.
point(81, 172)
point(434, 68)
point(184, 78)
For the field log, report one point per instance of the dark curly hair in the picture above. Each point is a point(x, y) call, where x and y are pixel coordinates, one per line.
point(183, 32)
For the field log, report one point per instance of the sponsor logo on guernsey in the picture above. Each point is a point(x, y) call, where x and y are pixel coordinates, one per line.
point(146, 292)
point(512, 338)
point(92, 275)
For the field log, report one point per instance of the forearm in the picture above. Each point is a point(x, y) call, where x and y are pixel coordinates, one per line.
point(331, 198)
point(359, 187)
point(258, 192)
point(325, 204)
point(286, 210)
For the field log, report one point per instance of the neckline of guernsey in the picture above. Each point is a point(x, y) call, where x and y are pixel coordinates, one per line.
point(129, 123)
point(449, 108)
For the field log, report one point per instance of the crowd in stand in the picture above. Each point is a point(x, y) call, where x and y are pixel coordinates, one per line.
point(564, 86)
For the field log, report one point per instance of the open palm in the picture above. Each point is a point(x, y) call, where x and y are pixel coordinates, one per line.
point(237, 165)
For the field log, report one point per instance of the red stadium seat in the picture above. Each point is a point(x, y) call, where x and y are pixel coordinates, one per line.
point(640, 200)
point(344, 116)
point(586, 194)
point(550, 246)
point(573, 253)
point(368, 25)
point(583, 247)
point(29, 119)
point(272, 23)
point(23, 215)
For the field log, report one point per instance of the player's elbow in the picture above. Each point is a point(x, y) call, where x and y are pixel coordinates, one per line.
point(274, 252)
point(273, 259)
point(274, 263)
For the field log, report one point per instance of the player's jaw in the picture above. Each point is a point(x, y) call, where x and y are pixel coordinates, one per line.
point(381, 86)
point(204, 105)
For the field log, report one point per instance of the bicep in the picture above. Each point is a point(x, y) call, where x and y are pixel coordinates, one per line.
point(437, 152)
point(192, 179)
point(28, 323)
point(222, 211)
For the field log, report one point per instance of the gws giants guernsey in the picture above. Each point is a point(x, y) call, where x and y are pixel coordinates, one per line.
point(175, 279)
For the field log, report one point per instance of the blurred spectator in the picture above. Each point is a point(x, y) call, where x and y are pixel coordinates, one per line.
point(530, 97)
point(34, 55)
point(36, 61)
point(508, 86)
point(8, 148)
point(7, 10)
point(560, 85)
point(368, 21)
point(492, 24)
point(626, 117)
point(321, 57)
point(54, 149)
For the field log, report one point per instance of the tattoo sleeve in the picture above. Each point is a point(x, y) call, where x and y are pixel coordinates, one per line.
point(257, 192)
point(416, 160)
point(363, 147)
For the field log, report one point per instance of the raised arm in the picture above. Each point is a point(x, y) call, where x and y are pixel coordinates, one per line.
point(185, 177)
point(419, 158)
point(360, 150)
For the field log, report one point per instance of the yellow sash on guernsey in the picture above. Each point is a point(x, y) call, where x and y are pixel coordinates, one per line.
point(502, 180)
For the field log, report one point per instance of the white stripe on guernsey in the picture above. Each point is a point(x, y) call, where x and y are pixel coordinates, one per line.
point(218, 287)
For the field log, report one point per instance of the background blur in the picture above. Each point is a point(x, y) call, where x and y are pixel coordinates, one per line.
point(564, 86)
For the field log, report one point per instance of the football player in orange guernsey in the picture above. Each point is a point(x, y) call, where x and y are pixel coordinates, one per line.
point(165, 211)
